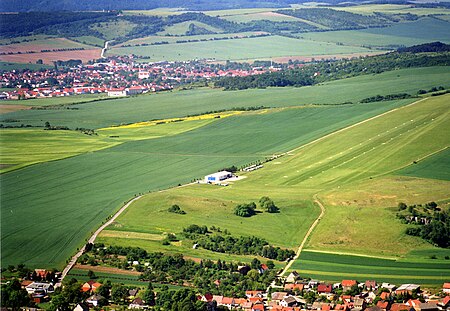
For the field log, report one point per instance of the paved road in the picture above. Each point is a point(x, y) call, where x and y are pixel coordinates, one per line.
point(74, 259)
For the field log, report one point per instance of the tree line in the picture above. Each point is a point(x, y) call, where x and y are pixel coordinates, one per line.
point(324, 71)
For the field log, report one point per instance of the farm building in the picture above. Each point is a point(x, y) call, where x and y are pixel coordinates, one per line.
point(217, 177)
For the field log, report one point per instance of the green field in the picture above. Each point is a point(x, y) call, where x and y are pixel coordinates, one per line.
point(242, 49)
point(53, 101)
point(435, 166)
point(404, 34)
point(172, 39)
point(90, 40)
point(180, 29)
point(114, 29)
point(39, 43)
point(7, 66)
point(181, 103)
point(271, 16)
point(391, 9)
point(22, 147)
point(335, 267)
point(357, 158)
point(86, 189)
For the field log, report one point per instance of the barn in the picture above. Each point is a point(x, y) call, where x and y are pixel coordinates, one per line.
point(217, 177)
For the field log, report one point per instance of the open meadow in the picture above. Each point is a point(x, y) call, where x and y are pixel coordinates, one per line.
point(107, 113)
point(360, 157)
point(405, 34)
point(85, 189)
point(238, 49)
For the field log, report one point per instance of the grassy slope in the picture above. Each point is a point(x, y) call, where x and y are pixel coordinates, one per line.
point(171, 39)
point(250, 48)
point(53, 101)
point(182, 28)
point(343, 161)
point(177, 104)
point(19, 66)
point(391, 8)
point(114, 29)
point(435, 166)
point(85, 189)
point(407, 34)
point(22, 147)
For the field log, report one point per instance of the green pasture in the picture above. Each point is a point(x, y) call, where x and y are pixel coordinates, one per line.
point(270, 16)
point(155, 12)
point(341, 160)
point(223, 13)
point(7, 41)
point(182, 103)
point(368, 9)
point(53, 101)
point(114, 29)
point(436, 166)
point(80, 192)
point(404, 34)
point(180, 29)
point(44, 43)
point(335, 267)
point(89, 40)
point(22, 147)
point(174, 39)
point(7, 66)
point(131, 280)
point(242, 49)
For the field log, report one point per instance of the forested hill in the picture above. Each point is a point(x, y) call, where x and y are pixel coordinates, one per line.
point(89, 5)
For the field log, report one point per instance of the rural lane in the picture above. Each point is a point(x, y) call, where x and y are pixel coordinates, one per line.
point(300, 248)
point(74, 259)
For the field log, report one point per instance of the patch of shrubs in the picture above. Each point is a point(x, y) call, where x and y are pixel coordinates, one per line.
point(176, 209)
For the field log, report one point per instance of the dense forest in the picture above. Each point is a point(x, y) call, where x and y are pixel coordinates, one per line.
point(332, 70)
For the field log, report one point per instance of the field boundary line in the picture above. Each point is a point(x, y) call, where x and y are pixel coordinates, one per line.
point(74, 259)
point(351, 126)
point(350, 254)
point(305, 239)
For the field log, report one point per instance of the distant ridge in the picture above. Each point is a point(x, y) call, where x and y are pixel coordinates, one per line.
point(426, 48)
point(89, 5)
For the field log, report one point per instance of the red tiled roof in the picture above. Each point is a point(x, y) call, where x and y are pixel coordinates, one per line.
point(324, 288)
point(227, 300)
point(385, 295)
point(446, 300)
point(348, 282)
point(399, 307)
point(446, 285)
point(383, 304)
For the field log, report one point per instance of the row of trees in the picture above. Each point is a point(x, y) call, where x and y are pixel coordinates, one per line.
point(243, 246)
point(332, 70)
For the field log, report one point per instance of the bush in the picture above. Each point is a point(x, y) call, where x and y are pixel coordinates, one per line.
point(176, 209)
point(245, 210)
point(268, 205)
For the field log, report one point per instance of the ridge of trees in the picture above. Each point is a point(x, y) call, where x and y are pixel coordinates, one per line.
point(332, 70)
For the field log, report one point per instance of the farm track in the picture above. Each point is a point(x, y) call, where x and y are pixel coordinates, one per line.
point(305, 239)
point(74, 259)
point(315, 198)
